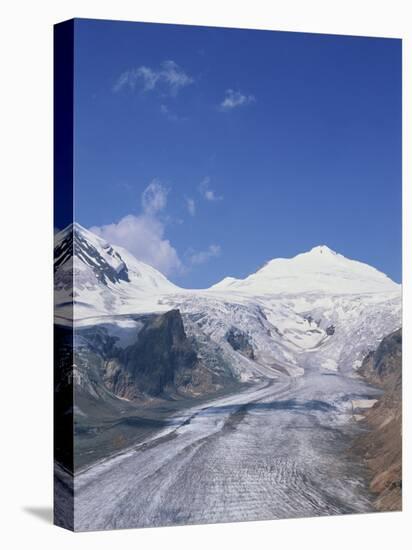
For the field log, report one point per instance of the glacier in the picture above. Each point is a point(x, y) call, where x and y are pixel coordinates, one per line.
point(293, 335)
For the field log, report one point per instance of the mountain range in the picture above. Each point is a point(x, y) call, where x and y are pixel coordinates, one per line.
point(108, 279)
point(149, 359)
point(316, 309)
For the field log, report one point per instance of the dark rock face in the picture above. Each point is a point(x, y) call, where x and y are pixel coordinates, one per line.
point(382, 446)
point(159, 362)
point(240, 341)
point(76, 245)
point(162, 361)
point(382, 365)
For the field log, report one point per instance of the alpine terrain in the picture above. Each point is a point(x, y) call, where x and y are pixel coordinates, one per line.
point(237, 402)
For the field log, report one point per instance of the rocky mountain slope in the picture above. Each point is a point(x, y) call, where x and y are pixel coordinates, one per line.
point(153, 357)
point(94, 278)
point(382, 445)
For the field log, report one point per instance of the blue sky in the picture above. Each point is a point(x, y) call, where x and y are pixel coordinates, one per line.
point(209, 151)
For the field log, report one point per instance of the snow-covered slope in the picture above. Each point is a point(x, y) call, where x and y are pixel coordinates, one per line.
point(319, 270)
point(328, 310)
point(93, 277)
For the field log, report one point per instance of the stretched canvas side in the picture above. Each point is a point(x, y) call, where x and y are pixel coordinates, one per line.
point(63, 275)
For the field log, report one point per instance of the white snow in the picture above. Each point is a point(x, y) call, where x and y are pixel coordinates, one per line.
point(319, 270)
point(363, 403)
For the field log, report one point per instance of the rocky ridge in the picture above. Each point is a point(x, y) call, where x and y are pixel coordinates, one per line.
point(381, 446)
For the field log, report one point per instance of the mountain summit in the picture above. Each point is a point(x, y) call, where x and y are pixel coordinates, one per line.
point(318, 270)
point(95, 277)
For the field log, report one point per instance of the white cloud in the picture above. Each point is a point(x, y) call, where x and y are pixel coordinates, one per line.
point(210, 195)
point(174, 75)
point(144, 235)
point(148, 76)
point(191, 206)
point(213, 251)
point(169, 77)
point(154, 198)
point(206, 192)
point(235, 99)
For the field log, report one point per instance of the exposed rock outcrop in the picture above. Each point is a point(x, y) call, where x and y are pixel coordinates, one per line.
point(159, 360)
point(240, 341)
point(162, 362)
point(382, 445)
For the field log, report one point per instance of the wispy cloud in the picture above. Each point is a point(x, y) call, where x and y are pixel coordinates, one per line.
point(154, 197)
point(198, 258)
point(235, 98)
point(207, 192)
point(168, 78)
point(144, 235)
point(191, 206)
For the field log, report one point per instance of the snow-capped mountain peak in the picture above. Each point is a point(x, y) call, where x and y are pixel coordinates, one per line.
point(96, 277)
point(89, 253)
point(322, 249)
point(318, 270)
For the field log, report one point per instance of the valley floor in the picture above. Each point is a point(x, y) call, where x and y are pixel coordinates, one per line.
point(276, 450)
